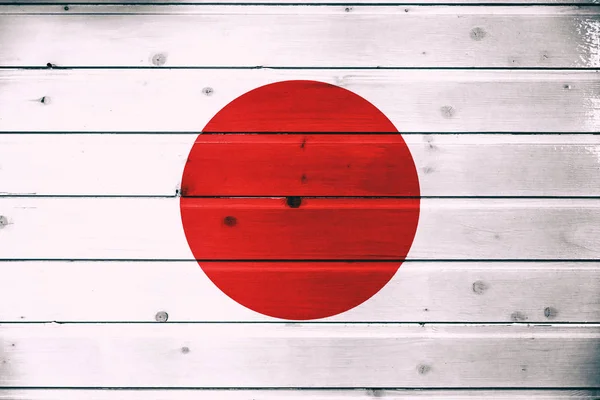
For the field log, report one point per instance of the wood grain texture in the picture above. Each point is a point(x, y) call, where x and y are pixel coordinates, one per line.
point(62, 3)
point(291, 355)
point(150, 228)
point(296, 355)
point(529, 292)
point(448, 165)
point(162, 100)
point(279, 394)
point(300, 165)
point(325, 36)
point(327, 229)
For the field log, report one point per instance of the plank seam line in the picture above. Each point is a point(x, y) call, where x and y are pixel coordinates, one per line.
point(378, 197)
point(176, 196)
point(261, 67)
point(459, 3)
point(168, 133)
point(506, 324)
point(457, 260)
point(275, 388)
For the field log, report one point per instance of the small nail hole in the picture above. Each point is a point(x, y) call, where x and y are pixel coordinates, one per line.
point(294, 201)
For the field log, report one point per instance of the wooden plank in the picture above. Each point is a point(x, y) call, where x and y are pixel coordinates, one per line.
point(276, 229)
point(62, 3)
point(151, 228)
point(419, 292)
point(296, 355)
point(162, 100)
point(265, 394)
point(300, 36)
point(448, 165)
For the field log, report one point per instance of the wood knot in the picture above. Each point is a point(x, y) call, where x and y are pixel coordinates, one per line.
point(230, 221)
point(550, 312)
point(478, 34)
point(479, 287)
point(423, 369)
point(159, 59)
point(376, 393)
point(518, 316)
point(448, 111)
point(161, 316)
point(293, 201)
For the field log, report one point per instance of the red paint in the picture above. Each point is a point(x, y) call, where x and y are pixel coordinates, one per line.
point(249, 229)
point(320, 290)
point(320, 229)
point(299, 106)
point(300, 165)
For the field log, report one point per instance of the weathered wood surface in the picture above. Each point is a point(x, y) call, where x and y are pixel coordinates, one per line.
point(150, 228)
point(448, 165)
point(370, 164)
point(434, 101)
point(419, 292)
point(300, 36)
point(157, 102)
point(62, 3)
point(326, 229)
point(291, 394)
point(297, 355)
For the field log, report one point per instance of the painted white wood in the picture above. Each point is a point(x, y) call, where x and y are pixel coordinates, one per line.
point(150, 228)
point(163, 100)
point(300, 36)
point(420, 292)
point(62, 3)
point(448, 165)
point(296, 355)
point(290, 394)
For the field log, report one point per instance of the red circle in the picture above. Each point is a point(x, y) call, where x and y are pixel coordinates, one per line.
point(301, 289)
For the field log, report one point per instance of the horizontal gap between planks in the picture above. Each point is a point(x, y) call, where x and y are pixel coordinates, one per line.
point(261, 67)
point(283, 322)
point(304, 389)
point(174, 196)
point(449, 260)
point(457, 3)
point(166, 133)
point(516, 3)
point(579, 324)
point(307, 389)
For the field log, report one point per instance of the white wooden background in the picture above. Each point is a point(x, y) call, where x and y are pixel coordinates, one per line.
point(498, 101)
